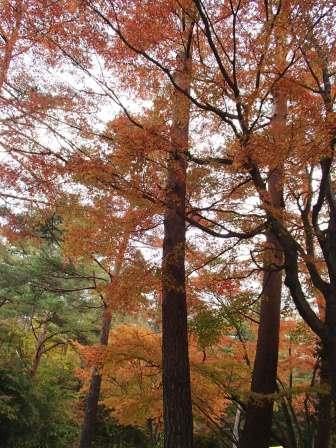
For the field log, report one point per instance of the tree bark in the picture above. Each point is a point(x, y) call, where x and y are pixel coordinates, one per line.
point(324, 407)
point(258, 424)
point(92, 398)
point(327, 399)
point(236, 427)
point(40, 347)
point(177, 407)
point(259, 414)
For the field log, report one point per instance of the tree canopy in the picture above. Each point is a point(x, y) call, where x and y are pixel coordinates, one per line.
point(168, 223)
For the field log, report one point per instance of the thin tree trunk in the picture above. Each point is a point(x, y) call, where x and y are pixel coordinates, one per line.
point(40, 346)
point(259, 414)
point(177, 407)
point(92, 398)
point(236, 427)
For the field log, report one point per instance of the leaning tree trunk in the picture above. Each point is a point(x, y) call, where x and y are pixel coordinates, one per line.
point(177, 407)
point(92, 398)
point(259, 414)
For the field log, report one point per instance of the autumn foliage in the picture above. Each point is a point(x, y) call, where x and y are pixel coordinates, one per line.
point(168, 222)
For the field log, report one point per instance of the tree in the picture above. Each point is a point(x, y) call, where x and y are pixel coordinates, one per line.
point(258, 423)
point(176, 371)
point(43, 295)
point(235, 76)
point(38, 387)
point(178, 414)
point(92, 398)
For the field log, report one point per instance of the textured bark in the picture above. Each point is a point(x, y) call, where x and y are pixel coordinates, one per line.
point(92, 398)
point(177, 407)
point(259, 414)
point(257, 430)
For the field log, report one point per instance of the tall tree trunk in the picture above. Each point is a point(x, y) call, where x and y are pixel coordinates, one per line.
point(177, 407)
point(329, 342)
point(92, 398)
point(259, 414)
point(325, 436)
point(327, 399)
